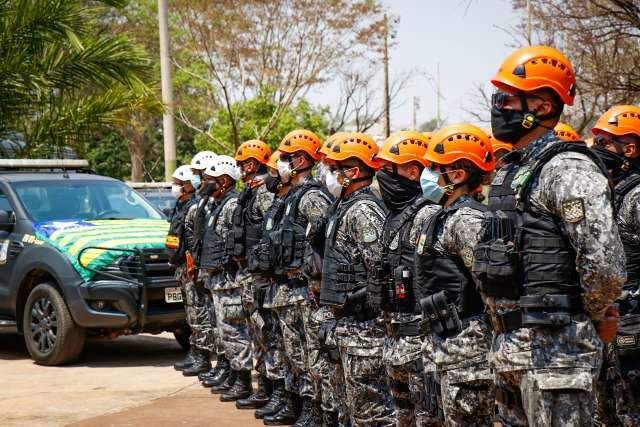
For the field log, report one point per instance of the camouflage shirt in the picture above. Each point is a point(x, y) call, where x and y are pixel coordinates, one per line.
point(600, 263)
point(359, 236)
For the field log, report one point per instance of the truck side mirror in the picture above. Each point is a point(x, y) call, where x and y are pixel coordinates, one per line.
point(7, 221)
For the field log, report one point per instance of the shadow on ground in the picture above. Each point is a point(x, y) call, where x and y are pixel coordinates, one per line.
point(136, 350)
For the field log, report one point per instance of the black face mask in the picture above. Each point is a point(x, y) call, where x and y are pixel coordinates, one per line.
point(207, 189)
point(511, 125)
point(397, 191)
point(617, 164)
point(271, 183)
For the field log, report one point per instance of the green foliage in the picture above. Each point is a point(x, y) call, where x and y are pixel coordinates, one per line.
point(429, 125)
point(109, 156)
point(253, 116)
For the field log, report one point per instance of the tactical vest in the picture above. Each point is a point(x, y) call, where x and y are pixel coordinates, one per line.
point(396, 287)
point(439, 272)
point(247, 224)
point(175, 244)
point(524, 252)
point(340, 276)
point(214, 250)
point(199, 224)
point(289, 238)
point(261, 258)
point(631, 248)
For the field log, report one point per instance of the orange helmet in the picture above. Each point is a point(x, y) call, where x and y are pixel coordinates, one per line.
point(566, 132)
point(273, 160)
point(404, 147)
point(619, 120)
point(301, 140)
point(253, 149)
point(458, 142)
point(355, 145)
point(496, 144)
point(324, 150)
point(537, 67)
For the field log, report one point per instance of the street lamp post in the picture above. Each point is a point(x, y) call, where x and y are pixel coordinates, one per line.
point(167, 92)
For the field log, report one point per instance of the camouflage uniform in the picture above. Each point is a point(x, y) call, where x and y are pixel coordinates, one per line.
point(358, 238)
point(545, 375)
point(460, 361)
point(230, 316)
point(198, 299)
point(290, 301)
point(402, 354)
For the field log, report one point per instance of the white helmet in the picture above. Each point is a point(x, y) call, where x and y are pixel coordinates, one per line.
point(223, 165)
point(183, 173)
point(202, 160)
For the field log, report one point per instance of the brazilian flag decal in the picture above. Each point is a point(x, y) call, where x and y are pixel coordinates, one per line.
point(71, 237)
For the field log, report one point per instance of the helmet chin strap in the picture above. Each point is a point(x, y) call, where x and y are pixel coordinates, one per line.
point(530, 119)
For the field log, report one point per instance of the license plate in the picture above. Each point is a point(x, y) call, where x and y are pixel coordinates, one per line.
point(172, 295)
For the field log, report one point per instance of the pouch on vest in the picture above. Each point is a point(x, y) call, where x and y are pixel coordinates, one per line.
point(496, 259)
point(442, 315)
point(378, 288)
point(627, 347)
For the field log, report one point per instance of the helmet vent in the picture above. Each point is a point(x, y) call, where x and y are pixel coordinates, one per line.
point(520, 71)
point(440, 148)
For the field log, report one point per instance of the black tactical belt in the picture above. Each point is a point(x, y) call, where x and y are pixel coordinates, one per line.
point(414, 328)
point(538, 311)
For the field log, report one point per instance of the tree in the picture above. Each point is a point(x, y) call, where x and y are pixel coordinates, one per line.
point(287, 46)
point(429, 125)
point(61, 82)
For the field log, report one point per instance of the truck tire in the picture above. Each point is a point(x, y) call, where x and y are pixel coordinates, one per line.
point(51, 335)
point(182, 336)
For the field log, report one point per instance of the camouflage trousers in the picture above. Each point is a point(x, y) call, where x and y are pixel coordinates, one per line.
point(368, 396)
point(250, 286)
point(619, 390)
point(196, 304)
point(467, 402)
point(546, 397)
point(291, 319)
point(326, 375)
point(231, 322)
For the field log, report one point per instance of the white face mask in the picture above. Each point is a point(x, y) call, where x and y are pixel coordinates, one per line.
point(333, 185)
point(177, 191)
point(284, 169)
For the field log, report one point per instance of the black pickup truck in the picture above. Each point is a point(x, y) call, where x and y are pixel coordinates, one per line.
point(81, 255)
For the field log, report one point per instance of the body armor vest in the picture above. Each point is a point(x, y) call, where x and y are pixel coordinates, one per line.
point(522, 251)
point(396, 287)
point(175, 244)
point(199, 223)
point(289, 238)
point(261, 258)
point(247, 224)
point(631, 248)
point(340, 275)
point(214, 250)
point(438, 272)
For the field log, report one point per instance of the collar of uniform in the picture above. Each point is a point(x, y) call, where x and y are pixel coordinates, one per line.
point(460, 200)
point(301, 183)
point(534, 149)
point(358, 191)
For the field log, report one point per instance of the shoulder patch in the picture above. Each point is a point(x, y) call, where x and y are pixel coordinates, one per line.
point(467, 256)
point(369, 233)
point(573, 210)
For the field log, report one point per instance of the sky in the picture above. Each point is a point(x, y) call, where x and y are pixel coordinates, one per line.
point(463, 36)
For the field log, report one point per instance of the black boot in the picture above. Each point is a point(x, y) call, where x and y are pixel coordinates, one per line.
point(289, 413)
point(226, 384)
point(221, 376)
point(329, 419)
point(276, 401)
point(201, 364)
point(259, 398)
point(241, 389)
point(305, 414)
point(186, 362)
point(315, 417)
point(220, 362)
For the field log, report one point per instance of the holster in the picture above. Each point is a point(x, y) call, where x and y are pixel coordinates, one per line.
point(379, 286)
point(358, 306)
point(442, 315)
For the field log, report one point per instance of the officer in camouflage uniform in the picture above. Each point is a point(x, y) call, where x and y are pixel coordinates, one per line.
point(304, 206)
point(402, 159)
point(183, 189)
point(217, 261)
point(202, 333)
point(459, 334)
point(617, 139)
point(550, 204)
point(353, 247)
point(262, 262)
point(253, 203)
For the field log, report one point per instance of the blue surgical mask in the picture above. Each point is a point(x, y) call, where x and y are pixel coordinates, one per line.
point(195, 181)
point(430, 188)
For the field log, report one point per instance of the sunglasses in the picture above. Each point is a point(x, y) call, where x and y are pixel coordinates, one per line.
point(499, 99)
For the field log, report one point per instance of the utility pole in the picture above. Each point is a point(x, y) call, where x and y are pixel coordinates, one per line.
point(416, 106)
point(167, 92)
point(438, 94)
point(529, 22)
point(387, 117)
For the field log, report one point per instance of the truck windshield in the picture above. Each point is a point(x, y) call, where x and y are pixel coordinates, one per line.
point(82, 200)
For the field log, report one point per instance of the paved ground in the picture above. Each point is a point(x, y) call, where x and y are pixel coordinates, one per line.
point(126, 382)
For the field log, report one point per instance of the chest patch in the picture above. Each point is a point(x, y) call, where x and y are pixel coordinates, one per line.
point(369, 234)
point(395, 242)
point(269, 225)
point(467, 256)
point(500, 176)
point(421, 241)
point(573, 210)
point(626, 340)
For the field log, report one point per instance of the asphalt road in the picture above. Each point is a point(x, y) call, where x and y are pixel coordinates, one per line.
point(129, 381)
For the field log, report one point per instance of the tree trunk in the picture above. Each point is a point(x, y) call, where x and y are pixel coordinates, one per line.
point(136, 151)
